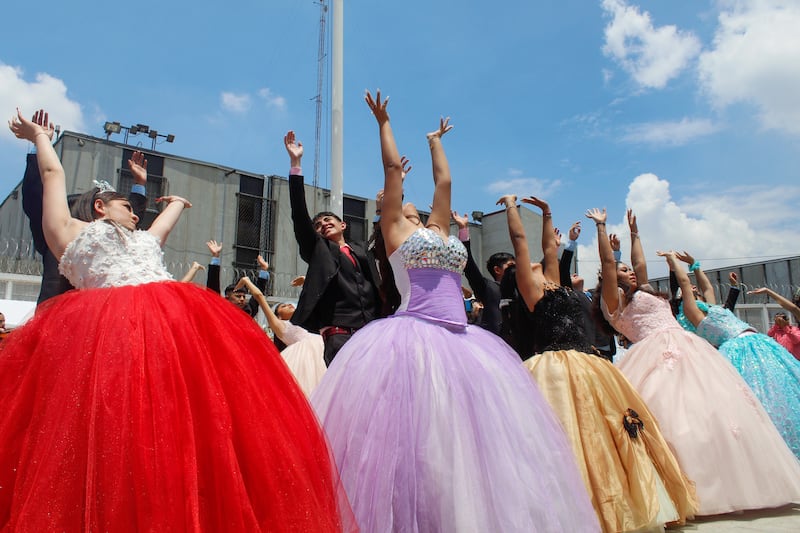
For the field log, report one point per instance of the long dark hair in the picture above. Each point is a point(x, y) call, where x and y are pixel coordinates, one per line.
point(83, 208)
point(387, 289)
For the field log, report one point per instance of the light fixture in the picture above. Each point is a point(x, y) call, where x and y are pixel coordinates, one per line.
point(170, 138)
point(477, 216)
point(152, 134)
point(143, 128)
point(133, 130)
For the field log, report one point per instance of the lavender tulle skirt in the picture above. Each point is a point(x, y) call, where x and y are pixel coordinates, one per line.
point(437, 427)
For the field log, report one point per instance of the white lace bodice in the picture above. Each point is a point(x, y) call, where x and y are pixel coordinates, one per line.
point(105, 254)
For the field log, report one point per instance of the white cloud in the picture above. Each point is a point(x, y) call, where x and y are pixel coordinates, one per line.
point(754, 60)
point(236, 103)
point(45, 92)
point(720, 228)
point(517, 183)
point(652, 56)
point(669, 133)
point(273, 100)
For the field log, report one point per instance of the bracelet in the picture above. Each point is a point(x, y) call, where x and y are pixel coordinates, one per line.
point(695, 266)
point(42, 133)
point(547, 215)
point(634, 234)
point(598, 224)
point(510, 206)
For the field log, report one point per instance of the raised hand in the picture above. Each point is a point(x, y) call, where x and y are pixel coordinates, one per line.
point(444, 127)
point(685, 256)
point(298, 281)
point(262, 263)
point(558, 236)
point(632, 223)
point(538, 202)
point(42, 118)
point(138, 165)
point(23, 128)
point(575, 231)
point(460, 221)
point(169, 199)
point(294, 148)
point(760, 290)
point(406, 166)
point(613, 239)
point(509, 200)
point(377, 107)
point(597, 215)
point(214, 247)
point(733, 279)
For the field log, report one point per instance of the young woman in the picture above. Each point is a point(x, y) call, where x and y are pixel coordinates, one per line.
point(633, 479)
point(138, 403)
point(722, 437)
point(771, 372)
point(434, 424)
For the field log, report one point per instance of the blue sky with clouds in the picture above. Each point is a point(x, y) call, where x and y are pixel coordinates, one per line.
point(687, 112)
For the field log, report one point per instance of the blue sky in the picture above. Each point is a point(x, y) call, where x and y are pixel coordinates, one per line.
point(687, 112)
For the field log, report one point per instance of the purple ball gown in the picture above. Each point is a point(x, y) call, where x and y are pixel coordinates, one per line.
point(434, 423)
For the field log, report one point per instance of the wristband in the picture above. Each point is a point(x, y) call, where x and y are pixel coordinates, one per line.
point(463, 234)
point(138, 189)
point(695, 266)
point(296, 171)
point(263, 274)
point(617, 256)
point(214, 261)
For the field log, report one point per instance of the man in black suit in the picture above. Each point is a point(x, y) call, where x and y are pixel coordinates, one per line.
point(340, 293)
point(54, 283)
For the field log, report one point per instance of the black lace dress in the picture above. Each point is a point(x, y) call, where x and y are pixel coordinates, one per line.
point(632, 476)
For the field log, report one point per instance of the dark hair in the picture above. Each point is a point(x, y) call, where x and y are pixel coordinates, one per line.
point(232, 288)
point(497, 260)
point(83, 208)
point(780, 314)
point(322, 214)
point(387, 289)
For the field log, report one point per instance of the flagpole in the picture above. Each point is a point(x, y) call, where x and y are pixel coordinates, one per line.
point(337, 108)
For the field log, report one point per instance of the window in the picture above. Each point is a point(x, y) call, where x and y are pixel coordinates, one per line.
point(354, 211)
point(255, 226)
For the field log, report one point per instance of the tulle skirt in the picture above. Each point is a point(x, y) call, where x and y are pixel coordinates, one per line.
point(157, 407)
point(632, 476)
point(774, 376)
point(724, 440)
point(306, 360)
point(439, 428)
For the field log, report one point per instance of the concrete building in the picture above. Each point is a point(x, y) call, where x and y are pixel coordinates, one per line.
point(246, 211)
point(780, 275)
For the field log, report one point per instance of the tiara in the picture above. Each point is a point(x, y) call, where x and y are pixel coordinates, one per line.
point(104, 186)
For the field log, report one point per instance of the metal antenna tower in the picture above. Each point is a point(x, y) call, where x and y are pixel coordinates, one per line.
point(323, 11)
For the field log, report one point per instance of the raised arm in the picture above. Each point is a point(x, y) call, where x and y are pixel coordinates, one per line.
point(58, 226)
point(608, 265)
point(440, 213)
point(304, 232)
point(277, 325)
point(394, 226)
point(138, 198)
point(690, 309)
point(733, 292)
point(527, 285)
point(783, 302)
point(471, 271)
point(638, 262)
point(549, 239)
point(565, 262)
point(165, 221)
point(192, 272)
point(703, 283)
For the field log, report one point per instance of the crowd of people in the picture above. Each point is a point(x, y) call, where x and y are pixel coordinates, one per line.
point(135, 401)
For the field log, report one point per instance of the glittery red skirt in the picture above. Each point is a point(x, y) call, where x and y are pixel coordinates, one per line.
point(158, 407)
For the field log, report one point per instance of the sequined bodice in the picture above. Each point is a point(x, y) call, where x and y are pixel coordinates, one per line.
point(427, 271)
point(721, 325)
point(644, 314)
point(107, 255)
point(558, 322)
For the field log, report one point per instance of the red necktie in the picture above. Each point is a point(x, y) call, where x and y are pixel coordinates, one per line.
point(346, 251)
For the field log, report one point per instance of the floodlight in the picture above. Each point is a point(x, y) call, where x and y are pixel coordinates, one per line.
point(153, 134)
point(170, 138)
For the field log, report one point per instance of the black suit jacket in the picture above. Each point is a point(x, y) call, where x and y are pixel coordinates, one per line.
point(53, 283)
point(487, 291)
point(322, 257)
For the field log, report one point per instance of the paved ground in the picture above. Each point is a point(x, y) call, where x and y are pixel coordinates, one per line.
point(783, 520)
